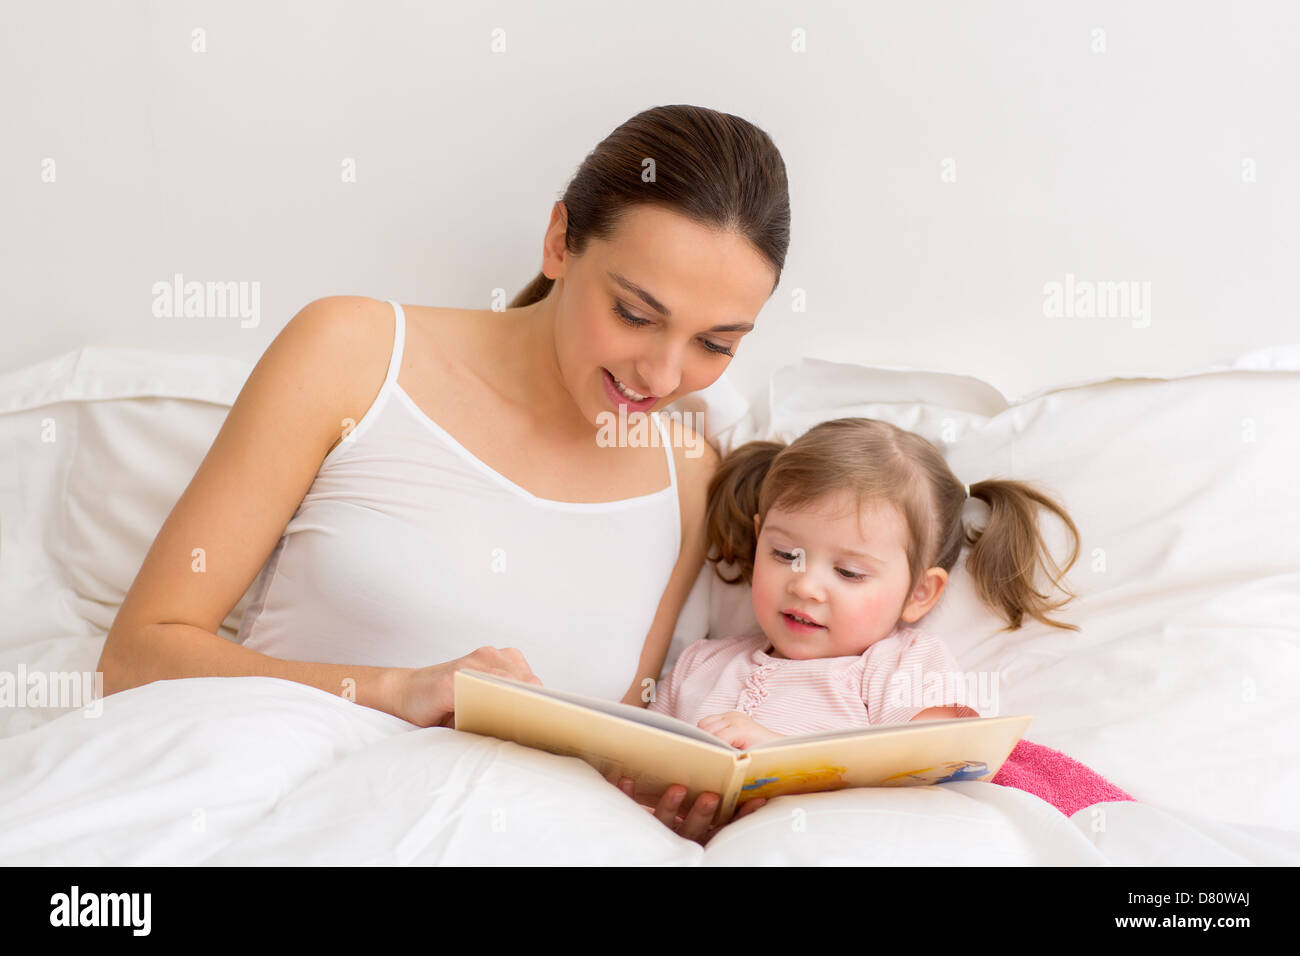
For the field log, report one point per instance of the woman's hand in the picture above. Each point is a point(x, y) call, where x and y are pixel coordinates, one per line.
point(426, 697)
point(693, 822)
point(737, 729)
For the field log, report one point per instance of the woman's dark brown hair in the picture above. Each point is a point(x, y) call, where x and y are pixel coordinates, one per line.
point(717, 170)
point(878, 461)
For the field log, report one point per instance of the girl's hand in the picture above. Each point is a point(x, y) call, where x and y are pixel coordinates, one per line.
point(425, 696)
point(694, 822)
point(737, 729)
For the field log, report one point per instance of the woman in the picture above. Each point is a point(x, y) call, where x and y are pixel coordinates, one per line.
point(419, 485)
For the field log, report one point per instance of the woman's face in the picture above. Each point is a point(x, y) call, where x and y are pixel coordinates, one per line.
point(661, 307)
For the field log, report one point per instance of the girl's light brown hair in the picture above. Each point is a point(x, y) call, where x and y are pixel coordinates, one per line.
point(877, 461)
point(717, 170)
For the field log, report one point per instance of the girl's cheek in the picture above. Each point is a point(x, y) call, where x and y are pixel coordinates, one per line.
point(762, 591)
point(868, 611)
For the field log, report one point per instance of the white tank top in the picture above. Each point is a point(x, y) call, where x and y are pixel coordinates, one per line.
point(408, 551)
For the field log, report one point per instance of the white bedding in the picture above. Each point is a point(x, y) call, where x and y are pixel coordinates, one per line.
point(263, 771)
point(1180, 688)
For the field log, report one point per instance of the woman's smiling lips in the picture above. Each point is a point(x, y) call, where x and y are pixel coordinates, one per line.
point(618, 398)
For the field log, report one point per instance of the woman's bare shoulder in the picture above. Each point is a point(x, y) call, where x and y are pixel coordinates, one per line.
point(360, 333)
point(352, 336)
point(695, 458)
point(696, 462)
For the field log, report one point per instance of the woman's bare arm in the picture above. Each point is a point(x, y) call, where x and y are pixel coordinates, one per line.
point(325, 366)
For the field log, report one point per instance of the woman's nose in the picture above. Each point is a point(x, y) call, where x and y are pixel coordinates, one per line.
point(661, 373)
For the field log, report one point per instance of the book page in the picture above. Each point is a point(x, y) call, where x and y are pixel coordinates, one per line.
point(923, 753)
point(658, 751)
point(617, 709)
point(653, 753)
point(857, 732)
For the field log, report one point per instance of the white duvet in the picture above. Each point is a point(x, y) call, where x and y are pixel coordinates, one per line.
point(264, 771)
point(1180, 687)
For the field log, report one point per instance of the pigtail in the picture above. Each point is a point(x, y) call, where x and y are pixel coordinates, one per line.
point(1007, 552)
point(733, 502)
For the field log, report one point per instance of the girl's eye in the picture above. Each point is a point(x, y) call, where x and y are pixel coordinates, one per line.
point(787, 556)
point(638, 323)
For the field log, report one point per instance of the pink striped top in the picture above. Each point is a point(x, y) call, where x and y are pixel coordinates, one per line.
point(889, 683)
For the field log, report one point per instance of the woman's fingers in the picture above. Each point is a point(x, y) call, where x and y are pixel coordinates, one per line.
point(694, 822)
point(626, 784)
point(669, 803)
point(698, 819)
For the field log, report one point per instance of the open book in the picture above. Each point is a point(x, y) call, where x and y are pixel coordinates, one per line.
point(658, 750)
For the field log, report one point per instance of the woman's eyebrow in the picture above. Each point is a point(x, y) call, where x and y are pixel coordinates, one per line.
point(663, 310)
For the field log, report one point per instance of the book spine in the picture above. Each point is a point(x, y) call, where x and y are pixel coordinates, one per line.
point(731, 799)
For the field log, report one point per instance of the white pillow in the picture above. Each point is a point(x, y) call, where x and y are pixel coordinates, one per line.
point(102, 441)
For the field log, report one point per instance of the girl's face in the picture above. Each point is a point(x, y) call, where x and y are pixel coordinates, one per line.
point(659, 309)
point(847, 574)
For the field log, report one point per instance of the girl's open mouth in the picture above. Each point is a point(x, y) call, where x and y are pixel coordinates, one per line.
point(800, 626)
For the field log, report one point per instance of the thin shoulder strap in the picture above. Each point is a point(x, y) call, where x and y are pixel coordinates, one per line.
point(668, 447)
point(399, 342)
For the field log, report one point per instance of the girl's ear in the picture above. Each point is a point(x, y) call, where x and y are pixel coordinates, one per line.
point(755, 526)
point(925, 595)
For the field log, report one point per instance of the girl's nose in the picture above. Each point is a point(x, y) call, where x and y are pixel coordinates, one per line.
point(805, 585)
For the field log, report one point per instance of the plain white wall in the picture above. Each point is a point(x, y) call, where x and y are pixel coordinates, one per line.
point(946, 161)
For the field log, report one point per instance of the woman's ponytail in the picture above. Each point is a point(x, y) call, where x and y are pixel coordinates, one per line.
point(1006, 553)
point(535, 291)
point(733, 502)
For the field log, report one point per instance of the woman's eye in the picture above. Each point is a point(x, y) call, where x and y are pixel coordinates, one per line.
point(629, 318)
point(637, 323)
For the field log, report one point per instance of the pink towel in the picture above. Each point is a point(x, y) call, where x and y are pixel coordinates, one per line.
point(1060, 780)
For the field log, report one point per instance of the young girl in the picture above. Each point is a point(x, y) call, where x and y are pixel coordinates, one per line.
point(847, 537)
